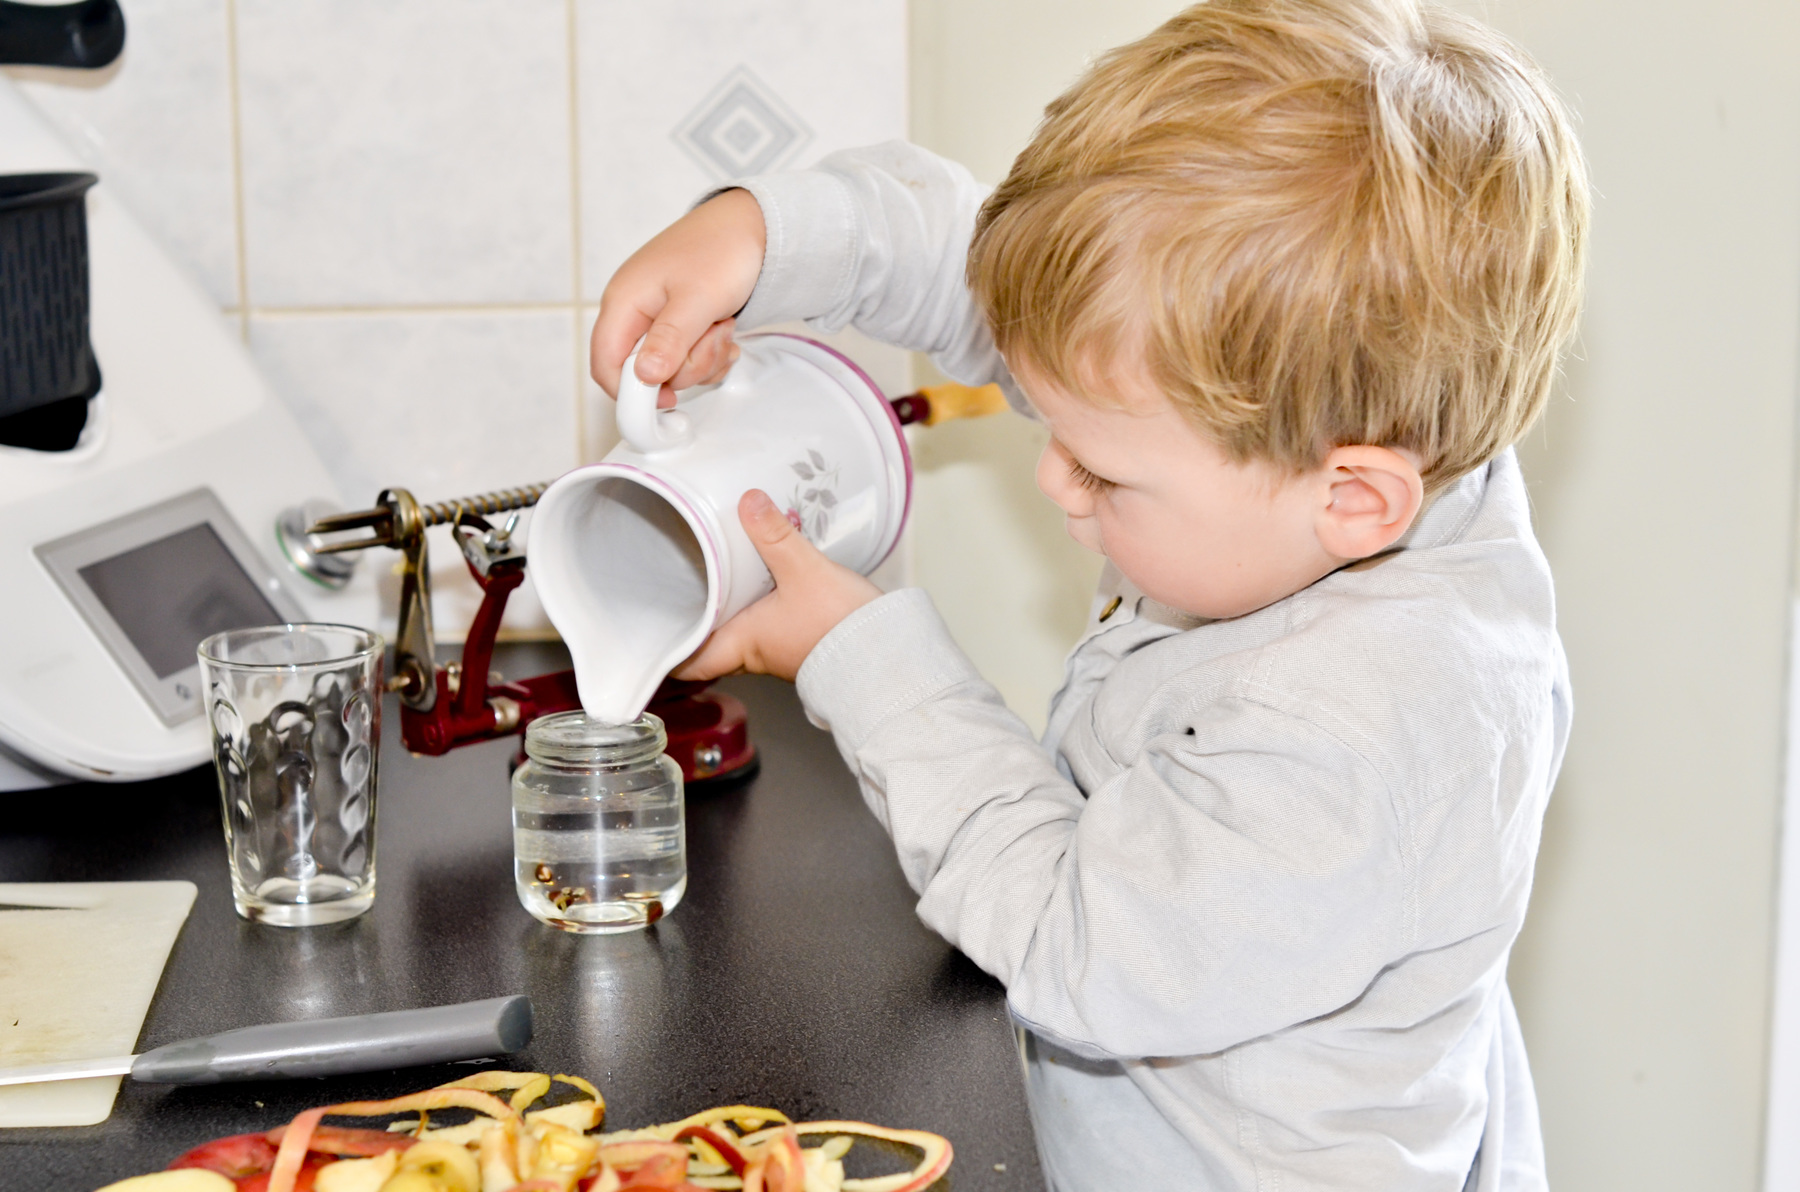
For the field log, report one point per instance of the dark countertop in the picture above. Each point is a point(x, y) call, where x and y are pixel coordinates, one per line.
point(794, 974)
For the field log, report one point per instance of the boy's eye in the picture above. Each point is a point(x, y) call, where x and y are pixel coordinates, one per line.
point(1086, 479)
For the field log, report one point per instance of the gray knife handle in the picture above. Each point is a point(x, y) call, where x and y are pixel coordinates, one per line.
point(333, 1046)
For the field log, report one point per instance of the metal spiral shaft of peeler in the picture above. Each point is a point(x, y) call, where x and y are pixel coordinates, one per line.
point(460, 703)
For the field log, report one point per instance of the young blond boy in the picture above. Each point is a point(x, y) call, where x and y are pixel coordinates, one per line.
point(1285, 280)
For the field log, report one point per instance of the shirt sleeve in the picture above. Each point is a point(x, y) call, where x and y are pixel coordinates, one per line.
point(878, 239)
point(1238, 876)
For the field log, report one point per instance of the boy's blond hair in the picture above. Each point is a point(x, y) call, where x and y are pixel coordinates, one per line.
point(1315, 222)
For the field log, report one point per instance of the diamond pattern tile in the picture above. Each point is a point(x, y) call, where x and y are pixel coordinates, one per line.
point(742, 127)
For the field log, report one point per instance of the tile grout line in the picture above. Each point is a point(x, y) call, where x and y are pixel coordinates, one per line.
point(574, 69)
point(423, 308)
point(237, 170)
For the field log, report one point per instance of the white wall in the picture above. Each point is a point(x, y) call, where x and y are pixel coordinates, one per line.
point(1665, 492)
point(1663, 485)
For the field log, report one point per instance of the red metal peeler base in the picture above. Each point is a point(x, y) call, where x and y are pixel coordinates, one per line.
point(464, 702)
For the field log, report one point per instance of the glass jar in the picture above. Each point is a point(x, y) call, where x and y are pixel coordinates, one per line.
point(599, 839)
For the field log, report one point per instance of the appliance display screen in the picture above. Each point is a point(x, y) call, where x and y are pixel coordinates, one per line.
point(170, 594)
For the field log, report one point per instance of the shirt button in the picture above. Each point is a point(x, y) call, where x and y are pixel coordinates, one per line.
point(1111, 607)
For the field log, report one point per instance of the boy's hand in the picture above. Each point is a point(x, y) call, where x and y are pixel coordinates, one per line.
point(680, 292)
point(812, 594)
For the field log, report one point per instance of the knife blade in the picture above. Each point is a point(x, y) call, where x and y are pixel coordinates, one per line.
point(322, 1047)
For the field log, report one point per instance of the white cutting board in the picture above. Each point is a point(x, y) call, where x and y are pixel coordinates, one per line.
point(76, 983)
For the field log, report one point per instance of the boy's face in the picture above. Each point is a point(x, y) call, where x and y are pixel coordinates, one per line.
point(1192, 529)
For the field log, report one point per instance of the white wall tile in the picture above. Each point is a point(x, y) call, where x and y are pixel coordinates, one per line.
point(410, 152)
point(599, 429)
point(445, 405)
point(834, 73)
point(157, 128)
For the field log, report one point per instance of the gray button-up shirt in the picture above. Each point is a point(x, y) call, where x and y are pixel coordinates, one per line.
point(1253, 894)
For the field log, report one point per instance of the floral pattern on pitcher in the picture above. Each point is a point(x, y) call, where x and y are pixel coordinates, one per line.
point(815, 497)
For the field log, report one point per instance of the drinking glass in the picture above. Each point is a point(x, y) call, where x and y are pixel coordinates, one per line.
point(296, 721)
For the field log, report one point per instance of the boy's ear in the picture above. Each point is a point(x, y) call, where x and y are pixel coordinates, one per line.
point(1371, 496)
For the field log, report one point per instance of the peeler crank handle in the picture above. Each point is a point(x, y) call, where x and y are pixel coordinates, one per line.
point(334, 1046)
point(382, 520)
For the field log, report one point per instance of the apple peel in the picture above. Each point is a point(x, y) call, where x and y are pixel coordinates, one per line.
point(744, 1116)
point(347, 1141)
point(779, 1165)
point(627, 1156)
point(298, 1137)
point(727, 1151)
point(936, 1161)
point(552, 1150)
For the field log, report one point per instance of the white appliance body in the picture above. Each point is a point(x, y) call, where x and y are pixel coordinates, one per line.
point(183, 421)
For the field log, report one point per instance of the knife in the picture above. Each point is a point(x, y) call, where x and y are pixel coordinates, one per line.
point(323, 1047)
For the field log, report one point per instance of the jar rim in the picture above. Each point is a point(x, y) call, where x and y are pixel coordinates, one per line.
point(576, 736)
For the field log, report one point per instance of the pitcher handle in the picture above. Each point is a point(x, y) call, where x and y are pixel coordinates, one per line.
point(641, 424)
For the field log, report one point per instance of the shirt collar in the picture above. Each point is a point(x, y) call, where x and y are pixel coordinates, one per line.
point(1133, 605)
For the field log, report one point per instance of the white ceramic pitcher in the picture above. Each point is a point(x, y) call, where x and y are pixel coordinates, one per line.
point(639, 557)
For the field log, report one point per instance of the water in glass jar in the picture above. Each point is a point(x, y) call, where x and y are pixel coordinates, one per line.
point(613, 863)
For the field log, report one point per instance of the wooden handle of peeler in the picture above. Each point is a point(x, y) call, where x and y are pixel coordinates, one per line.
point(941, 403)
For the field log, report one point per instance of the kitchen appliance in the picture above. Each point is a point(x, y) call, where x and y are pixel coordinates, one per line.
point(155, 528)
point(48, 374)
point(82, 36)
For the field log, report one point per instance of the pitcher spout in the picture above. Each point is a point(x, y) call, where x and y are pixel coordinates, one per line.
point(629, 572)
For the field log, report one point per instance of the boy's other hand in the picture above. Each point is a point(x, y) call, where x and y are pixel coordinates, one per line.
point(812, 594)
point(679, 293)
